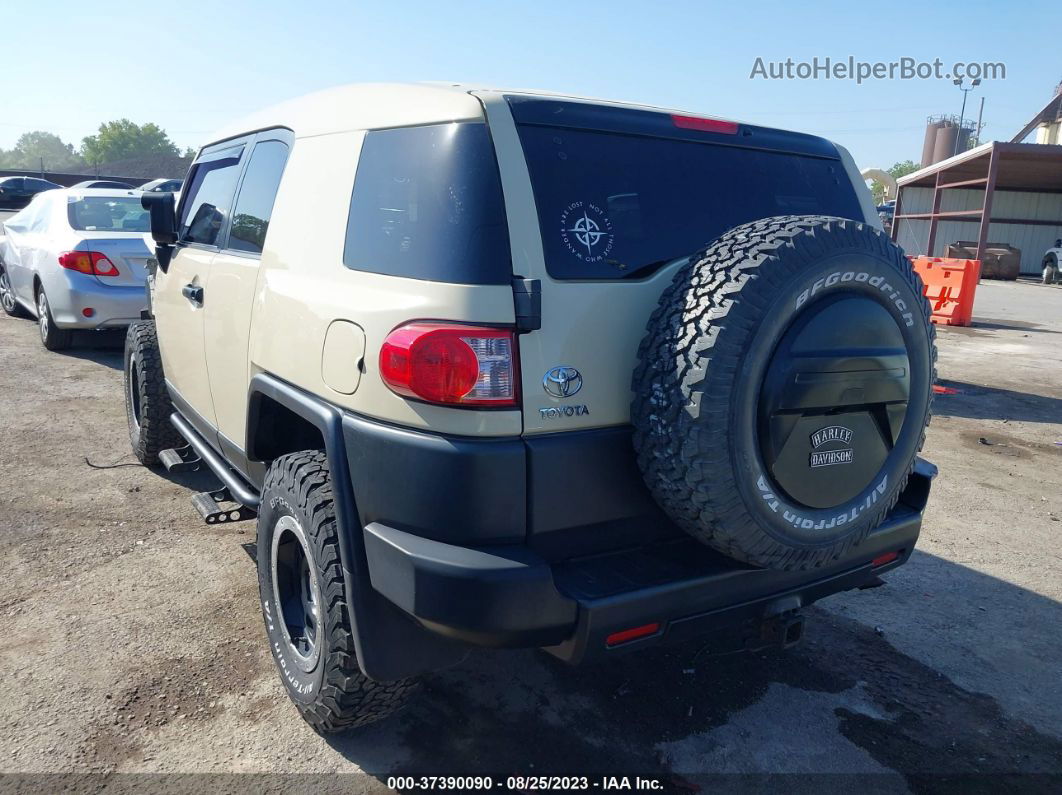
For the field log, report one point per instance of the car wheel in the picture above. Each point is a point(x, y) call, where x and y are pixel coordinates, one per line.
point(304, 603)
point(53, 337)
point(783, 389)
point(8, 302)
point(147, 402)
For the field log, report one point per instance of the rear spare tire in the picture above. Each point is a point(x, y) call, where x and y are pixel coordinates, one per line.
point(783, 389)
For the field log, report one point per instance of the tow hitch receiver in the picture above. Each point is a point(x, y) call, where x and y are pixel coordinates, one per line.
point(218, 506)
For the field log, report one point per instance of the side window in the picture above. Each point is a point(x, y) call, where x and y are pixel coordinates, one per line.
point(427, 204)
point(254, 205)
point(209, 196)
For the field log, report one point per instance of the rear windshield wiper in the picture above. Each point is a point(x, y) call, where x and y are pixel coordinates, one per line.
point(643, 270)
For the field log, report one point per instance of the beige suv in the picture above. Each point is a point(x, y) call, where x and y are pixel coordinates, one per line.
point(509, 369)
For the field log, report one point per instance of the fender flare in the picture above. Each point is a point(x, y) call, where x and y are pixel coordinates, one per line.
point(389, 646)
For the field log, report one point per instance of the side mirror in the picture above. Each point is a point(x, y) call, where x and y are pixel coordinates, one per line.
point(163, 217)
point(162, 212)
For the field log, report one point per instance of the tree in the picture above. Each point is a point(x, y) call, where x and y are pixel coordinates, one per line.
point(34, 147)
point(122, 140)
point(901, 169)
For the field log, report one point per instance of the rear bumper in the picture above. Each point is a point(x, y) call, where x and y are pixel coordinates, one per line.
point(69, 294)
point(509, 596)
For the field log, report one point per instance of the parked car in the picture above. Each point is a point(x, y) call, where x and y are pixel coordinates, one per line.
point(108, 184)
point(502, 369)
point(162, 186)
point(16, 192)
point(75, 259)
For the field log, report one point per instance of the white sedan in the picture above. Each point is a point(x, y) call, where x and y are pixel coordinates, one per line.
point(75, 259)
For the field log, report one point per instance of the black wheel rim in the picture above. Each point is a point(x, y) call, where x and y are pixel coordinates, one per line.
point(134, 392)
point(297, 592)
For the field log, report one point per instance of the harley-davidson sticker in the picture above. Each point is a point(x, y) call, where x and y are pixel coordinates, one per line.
point(839, 438)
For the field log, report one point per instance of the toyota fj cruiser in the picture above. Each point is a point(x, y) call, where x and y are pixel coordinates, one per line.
point(510, 369)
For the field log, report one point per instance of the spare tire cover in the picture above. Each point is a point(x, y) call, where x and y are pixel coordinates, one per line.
point(783, 389)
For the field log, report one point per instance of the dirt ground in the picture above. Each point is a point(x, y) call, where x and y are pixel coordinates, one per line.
point(134, 641)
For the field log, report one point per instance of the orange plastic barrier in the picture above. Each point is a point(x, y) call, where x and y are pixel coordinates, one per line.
point(949, 284)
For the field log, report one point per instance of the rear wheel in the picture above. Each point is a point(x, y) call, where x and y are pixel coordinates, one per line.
point(8, 302)
point(52, 337)
point(784, 388)
point(307, 618)
point(147, 402)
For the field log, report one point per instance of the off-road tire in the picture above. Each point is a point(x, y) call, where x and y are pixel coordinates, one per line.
point(334, 695)
point(147, 402)
point(8, 302)
point(52, 337)
point(702, 363)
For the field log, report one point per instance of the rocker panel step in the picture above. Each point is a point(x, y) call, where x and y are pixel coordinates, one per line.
point(180, 459)
point(210, 505)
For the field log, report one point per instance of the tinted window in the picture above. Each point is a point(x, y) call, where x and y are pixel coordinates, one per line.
point(610, 204)
point(250, 218)
point(209, 196)
point(427, 204)
point(106, 214)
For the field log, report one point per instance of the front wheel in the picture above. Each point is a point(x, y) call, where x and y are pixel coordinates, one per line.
point(52, 337)
point(304, 604)
point(147, 403)
point(8, 302)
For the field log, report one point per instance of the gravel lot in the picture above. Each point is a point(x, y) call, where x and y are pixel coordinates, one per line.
point(135, 642)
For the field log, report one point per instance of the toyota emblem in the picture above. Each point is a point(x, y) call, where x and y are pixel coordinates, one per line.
point(562, 381)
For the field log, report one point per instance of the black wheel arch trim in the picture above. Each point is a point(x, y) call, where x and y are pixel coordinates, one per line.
point(389, 644)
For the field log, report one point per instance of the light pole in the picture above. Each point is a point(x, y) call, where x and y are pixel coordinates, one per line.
point(973, 84)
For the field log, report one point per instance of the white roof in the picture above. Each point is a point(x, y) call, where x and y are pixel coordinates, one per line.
point(106, 193)
point(368, 106)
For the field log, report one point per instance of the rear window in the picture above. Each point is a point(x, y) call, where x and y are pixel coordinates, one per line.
point(612, 204)
point(427, 204)
point(105, 214)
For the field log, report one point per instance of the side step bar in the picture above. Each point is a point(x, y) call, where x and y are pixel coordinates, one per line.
point(180, 459)
point(211, 506)
point(238, 491)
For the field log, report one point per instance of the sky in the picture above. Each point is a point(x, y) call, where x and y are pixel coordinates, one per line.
point(193, 66)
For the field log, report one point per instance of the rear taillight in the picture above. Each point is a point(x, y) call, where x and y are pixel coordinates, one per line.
point(451, 364)
point(91, 262)
point(705, 125)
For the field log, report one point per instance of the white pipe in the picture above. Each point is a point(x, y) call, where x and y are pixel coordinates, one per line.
point(884, 177)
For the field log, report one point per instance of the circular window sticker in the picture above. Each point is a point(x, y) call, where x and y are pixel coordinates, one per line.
point(587, 231)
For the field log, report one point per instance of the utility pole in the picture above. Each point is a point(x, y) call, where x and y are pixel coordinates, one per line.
point(973, 84)
point(980, 114)
point(42, 166)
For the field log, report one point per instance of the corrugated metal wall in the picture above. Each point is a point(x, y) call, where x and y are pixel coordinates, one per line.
point(1032, 240)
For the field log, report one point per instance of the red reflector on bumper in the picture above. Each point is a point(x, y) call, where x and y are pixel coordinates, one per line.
point(616, 638)
point(881, 560)
point(706, 125)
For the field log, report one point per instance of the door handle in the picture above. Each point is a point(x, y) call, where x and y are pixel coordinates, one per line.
point(193, 293)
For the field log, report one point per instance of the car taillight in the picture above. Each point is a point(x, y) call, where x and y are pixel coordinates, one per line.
point(91, 262)
point(451, 364)
point(705, 125)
